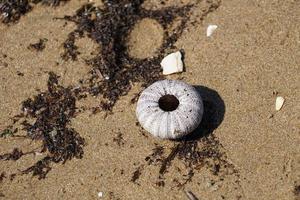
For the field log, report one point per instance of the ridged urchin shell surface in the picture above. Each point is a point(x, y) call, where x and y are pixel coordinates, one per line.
point(173, 124)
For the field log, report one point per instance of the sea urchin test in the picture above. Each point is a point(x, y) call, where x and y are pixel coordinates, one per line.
point(170, 109)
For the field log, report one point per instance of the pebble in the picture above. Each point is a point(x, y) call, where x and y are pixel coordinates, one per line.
point(270, 116)
point(100, 194)
point(279, 103)
point(172, 63)
point(210, 30)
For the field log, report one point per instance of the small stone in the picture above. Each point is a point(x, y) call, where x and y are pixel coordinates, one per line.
point(279, 103)
point(270, 116)
point(100, 194)
point(210, 30)
point(172, 63)
point(38, 154)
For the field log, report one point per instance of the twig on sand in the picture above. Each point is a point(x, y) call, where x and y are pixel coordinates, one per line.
point(191, 195)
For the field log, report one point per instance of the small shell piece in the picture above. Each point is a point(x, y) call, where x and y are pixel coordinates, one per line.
point(172, 63)
point(210, 30)
point(279, 103)
point(170, 123)
point(100, 194)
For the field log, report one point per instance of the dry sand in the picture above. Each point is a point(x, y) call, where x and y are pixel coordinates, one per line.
point(254, 53)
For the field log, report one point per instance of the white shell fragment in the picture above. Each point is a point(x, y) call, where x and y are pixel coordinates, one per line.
point(100, 194)
point(172, 63)
point(169, 109)
point(279, 103)
point(210, 30)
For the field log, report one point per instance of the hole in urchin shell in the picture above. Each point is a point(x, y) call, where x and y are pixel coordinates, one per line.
point(168, 102)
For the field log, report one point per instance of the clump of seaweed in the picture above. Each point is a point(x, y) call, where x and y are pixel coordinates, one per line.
point(52, 111)
point(137, 173)
point(14, 155)
point(39, 46)
point(113, 70)
point(12, 10)
point(85, 20)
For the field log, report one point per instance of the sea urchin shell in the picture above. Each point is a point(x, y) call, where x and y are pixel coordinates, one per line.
point(169, 109)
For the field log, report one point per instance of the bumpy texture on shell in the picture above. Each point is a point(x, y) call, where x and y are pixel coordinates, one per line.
point(173, 124)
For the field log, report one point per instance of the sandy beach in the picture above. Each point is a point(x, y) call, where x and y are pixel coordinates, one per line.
point(243, 148)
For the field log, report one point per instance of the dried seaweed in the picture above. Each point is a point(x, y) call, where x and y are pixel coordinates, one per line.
point(194, 154)
point(14, 155)
point(113, 70)
point(52, 111)
point(156, 155)
point(6, 132)
point(41, 168)
point(119, 139)
point(39, 46)
point(85, 20)
point(71, 50)
point(136, 174)
point(12, 10)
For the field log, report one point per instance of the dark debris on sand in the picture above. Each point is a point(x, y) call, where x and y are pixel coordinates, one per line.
point(194, 154)
point(2, 176)
point(39, 46)
point(136, 174)
point(12, 10)
point(14, 155)
point(52, 111)
point(297, 191)
point(113, 70)
point(85, 20)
